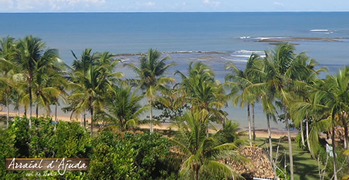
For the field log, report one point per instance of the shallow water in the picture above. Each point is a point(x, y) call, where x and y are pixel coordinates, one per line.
point(214, 38)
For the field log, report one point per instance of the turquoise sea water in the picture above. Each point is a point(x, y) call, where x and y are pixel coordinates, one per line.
point(214, 38)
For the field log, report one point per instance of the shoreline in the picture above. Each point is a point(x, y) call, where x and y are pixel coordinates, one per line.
point(260, 132)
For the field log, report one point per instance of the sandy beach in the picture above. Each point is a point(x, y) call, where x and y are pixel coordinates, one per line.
point(263, 133)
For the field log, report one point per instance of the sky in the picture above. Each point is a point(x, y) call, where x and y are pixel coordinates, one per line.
point(172, 5)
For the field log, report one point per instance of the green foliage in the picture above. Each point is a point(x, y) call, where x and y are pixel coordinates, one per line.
point(228, 133)
point(112, 158)
point(342, 162)
point(68, 140)
point(202, 153)
point(131, 156)
point(124, 107)
point(71, 141)
point(8, 150)
point(42, 138)
point(20, 131)
point(298, 140)
point(282, 174)
point(153, 155)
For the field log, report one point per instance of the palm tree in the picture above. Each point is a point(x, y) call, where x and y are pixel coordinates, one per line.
point(313, 108)
point(337, 101)
point(82, 64)
point(339, 86)
point(270, 112)
point(7, 56)
point(202, 91)
point(48, 80)
point(282, 72)
point(90, 89)
point(48, 89)
point(150, 73)
point(243, 79)
point(201, 153)
point(307, 106)
point(124, 107)
point(277, 66)
point(30, 51)
point(85, 60)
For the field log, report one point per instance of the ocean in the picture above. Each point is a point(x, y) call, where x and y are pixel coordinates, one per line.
point(214, 38)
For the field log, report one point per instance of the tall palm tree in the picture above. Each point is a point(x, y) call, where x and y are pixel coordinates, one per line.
point(202, 91)
point(337, 101)
point(313, 108)
point(306, 105)
point(243, 79)
point(7, 56)
point(282, 72)
point(90, 89)
point(48, 89)
point(124, 107)
point(30, 51)
point(82, 64)
point(200, 87)
point(151, 72)
point(339, 86)
point(87, 58)
point(201, 153)
point(48, 80)
point(277, 64)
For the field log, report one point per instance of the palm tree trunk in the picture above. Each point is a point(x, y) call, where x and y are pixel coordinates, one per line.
point(151, 117)
point(37, 110)
point(302, 134)
point(122, 125)
point(18, 105)
point(196, 172)
point(253, 124)
point(345, 127)
point(334, 153)
point(307, 134)
point(289, 143)
point(344, 142)
point(269, 135)
point(84, 119)
point(249, 123)
point(91, 122)
point(346, 136)
point(8, 111)
point(30, 103)
point(56, 111)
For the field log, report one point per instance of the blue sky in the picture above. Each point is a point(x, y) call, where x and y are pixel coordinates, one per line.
point(171, 5)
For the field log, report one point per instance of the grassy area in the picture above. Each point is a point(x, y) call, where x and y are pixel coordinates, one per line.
point(304, 166)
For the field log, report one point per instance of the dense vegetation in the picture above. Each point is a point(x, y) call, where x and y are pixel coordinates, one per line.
point(285, 83)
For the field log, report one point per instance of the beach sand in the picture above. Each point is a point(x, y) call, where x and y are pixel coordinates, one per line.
point(262, 133)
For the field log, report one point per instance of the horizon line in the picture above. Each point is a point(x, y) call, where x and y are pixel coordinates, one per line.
point(53, 12)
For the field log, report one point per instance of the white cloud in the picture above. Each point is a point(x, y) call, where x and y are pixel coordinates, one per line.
point(50, 5)
point(6, 5)
point(213, 3)
point(147, 4)
point(278, 4)
point(150, 3)
point(6, 2)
